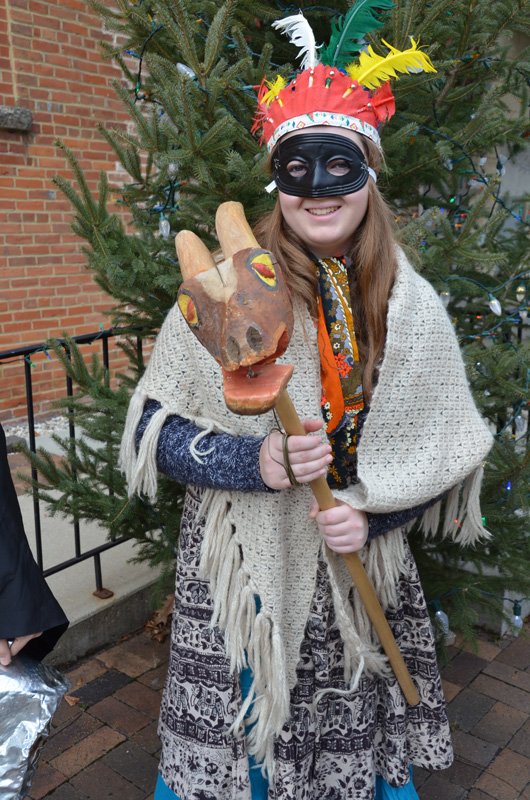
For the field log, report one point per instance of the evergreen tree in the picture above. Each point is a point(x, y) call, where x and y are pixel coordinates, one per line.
point(189, 86)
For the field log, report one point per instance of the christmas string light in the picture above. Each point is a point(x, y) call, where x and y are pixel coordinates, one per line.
point(481, 177)
point(493, 302)
point(515, 416)
point(512, 319)
point(171, 202)
point(141, 60)
point(189, 72)
point(516, 620)
point(442, 619)
point(494, 305)
point(164, 228)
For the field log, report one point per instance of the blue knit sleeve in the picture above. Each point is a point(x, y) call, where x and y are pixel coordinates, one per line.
point(230, 462)
point(382, 523)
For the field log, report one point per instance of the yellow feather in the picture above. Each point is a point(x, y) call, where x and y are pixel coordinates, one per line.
point(275, 88)
point(372, 70)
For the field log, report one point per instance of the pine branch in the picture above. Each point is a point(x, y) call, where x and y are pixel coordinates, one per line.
point(216, 35)
point(177, 19)
point(518, 10)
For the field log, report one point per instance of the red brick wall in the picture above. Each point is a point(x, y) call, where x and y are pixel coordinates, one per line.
point(49, 64)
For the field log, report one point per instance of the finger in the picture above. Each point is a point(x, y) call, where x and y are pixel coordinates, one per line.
point(274, 449)
point(334, 516)
point(307, 442)
point(313, 508)
point(345, 548)
point(339, 529)
point(310, 476)
point(21, 641)
point(307, 460)
point(5, 653)
point(307, 446)
point(335, 531)
point(312, 425)
point(275, 454)
point(344, 536)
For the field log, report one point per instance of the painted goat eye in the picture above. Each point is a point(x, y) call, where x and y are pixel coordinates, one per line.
point(263, 267)
point(188, 309)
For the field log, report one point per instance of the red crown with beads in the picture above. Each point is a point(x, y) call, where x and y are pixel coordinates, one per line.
point(323, 95)
point(331, 89)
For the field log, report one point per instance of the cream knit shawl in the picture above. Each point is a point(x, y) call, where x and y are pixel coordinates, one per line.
point(423, 436)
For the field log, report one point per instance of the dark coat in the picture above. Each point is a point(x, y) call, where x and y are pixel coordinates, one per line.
point(26, 602)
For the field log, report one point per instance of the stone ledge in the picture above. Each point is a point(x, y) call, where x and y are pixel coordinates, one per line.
point(15, 118)
point(85, 636)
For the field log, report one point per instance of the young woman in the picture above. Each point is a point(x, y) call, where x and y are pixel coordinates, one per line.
point(274, 662)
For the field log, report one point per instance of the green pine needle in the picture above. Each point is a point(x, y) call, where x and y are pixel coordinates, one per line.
point(348, 29)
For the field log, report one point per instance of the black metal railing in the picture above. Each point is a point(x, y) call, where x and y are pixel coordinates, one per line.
point(24, 354)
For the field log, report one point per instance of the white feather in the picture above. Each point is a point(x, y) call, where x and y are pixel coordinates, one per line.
point(299, 32)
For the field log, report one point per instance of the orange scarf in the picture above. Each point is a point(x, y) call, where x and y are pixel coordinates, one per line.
point(340, 371)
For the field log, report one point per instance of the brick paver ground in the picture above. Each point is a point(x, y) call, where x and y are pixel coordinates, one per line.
point(106, 746)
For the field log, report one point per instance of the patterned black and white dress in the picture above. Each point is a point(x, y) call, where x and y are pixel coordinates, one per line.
point(331, 750)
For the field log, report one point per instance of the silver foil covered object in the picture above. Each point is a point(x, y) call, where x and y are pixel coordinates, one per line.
point(30, 693)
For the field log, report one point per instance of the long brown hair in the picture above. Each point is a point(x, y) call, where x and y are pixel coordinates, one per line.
point(371, 277)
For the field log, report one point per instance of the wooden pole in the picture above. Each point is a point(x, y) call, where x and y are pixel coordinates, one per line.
point(293, 426)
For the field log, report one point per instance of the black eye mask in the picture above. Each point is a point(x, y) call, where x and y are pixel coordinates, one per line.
point(319, 165)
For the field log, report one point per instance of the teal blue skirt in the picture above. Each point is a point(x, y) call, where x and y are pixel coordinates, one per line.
point(259, 786)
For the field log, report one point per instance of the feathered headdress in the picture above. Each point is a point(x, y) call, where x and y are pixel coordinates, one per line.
point(332, 89)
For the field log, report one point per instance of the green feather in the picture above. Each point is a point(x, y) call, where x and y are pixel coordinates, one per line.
point(354, 25)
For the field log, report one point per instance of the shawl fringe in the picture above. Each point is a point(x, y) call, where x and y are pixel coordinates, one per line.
point(146, 474)
point(463, 517)
point(127, 457)
point(471, 525)
point(250, 638)
point(140, 469)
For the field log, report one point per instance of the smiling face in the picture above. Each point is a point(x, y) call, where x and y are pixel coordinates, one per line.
point(326, 224)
